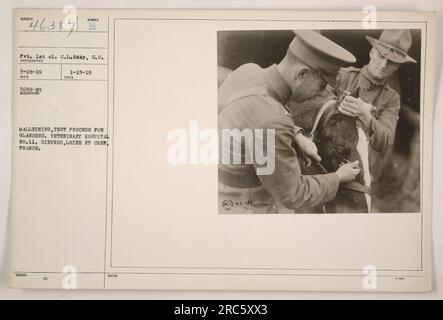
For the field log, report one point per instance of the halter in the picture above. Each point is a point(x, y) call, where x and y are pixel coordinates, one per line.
point(320, 113)
point(353, 185)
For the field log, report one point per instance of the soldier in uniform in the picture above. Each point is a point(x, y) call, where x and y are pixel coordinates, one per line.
point(254, 98)
point(371, 99)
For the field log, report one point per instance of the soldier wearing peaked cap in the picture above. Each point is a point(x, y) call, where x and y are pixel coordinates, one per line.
point(372, 100)
point(254, 98)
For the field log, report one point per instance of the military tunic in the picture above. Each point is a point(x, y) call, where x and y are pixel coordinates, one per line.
point(379, 94)
point(285, 188)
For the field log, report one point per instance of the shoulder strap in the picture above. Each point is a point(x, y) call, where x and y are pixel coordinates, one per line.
point(254, 91)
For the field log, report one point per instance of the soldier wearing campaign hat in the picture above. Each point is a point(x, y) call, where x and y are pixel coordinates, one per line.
point(375, 103)
point(372, 100)
point(254, 98)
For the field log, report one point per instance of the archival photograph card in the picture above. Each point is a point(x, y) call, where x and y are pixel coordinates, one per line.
point(222, 150)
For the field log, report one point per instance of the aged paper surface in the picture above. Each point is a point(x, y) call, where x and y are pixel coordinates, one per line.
point(97, 203)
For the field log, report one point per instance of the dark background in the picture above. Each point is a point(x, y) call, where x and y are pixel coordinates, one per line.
point(399, 187)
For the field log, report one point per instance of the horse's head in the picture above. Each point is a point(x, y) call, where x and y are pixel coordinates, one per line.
point(337, 139)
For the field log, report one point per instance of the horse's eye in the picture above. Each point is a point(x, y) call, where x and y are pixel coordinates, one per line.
point(343, 150)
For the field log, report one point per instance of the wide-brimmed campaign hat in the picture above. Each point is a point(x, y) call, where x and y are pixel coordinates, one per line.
point(394, 45)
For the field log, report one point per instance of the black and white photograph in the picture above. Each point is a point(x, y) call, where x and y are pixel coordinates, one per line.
point(319, 121)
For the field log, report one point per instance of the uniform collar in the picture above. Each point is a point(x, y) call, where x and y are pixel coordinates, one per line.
point(366, 74)
point(276, 83)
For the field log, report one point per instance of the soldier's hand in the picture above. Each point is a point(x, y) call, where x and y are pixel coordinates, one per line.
point(348, 171)
point(308, 149)
point(356, 107)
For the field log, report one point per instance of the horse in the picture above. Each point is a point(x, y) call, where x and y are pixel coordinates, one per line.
point(339, 139)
